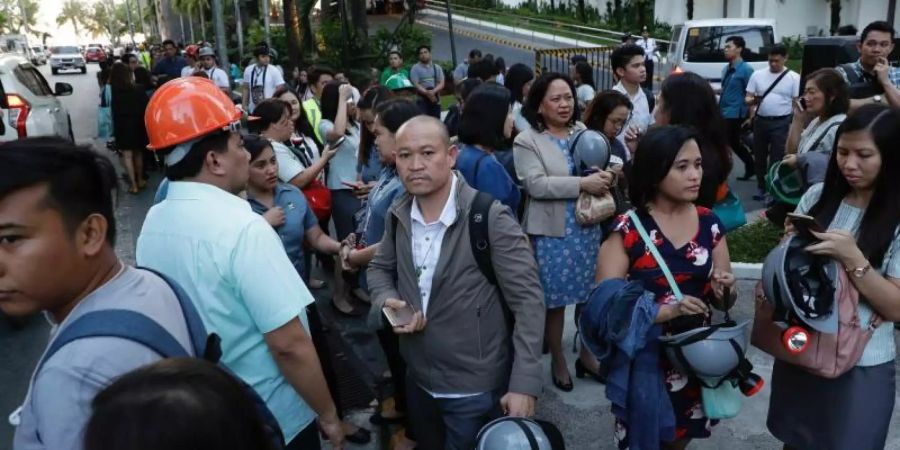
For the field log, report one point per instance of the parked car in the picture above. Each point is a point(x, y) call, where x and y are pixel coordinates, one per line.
point(39, 56)
point(95, 54)
point(66, 57)
point(28, 107)
point(698, 45)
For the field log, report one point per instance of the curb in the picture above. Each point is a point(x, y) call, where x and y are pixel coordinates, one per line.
point(482, 37)
point(747, 271)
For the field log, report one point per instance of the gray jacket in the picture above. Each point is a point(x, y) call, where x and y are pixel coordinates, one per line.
point(465, 346)
point(544, 172)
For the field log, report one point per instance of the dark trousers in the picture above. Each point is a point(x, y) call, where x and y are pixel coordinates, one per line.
point(343, 206)
point(769, 137)
point(428, 108)
point(449, 423)
point(308, 439)
point(733, 128)
point(648, 83)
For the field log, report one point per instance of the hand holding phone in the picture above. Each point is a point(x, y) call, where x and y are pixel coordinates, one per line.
point(804, 224)
point(403, 317)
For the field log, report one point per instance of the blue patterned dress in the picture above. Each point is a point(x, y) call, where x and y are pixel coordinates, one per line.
point(567, 265)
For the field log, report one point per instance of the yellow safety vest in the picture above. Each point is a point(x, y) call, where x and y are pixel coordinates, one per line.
point(314, 115)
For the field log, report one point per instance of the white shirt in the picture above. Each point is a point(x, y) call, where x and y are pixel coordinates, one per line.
point(584, 94)
point(649, 46)
point(641, 116)
point(187, 71)
point(268, 77)
point(779, 101)
point(219, 76)
point(427, 239)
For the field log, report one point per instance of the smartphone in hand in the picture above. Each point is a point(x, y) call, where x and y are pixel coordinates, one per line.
point(804, 224)
point(399, 317)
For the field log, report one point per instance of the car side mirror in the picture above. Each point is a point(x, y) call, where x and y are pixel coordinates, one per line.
point(62, 89)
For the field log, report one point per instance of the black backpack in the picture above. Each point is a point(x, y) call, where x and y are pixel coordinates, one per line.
point(136, 327)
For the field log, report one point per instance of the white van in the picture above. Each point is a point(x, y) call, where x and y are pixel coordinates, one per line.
point(697, 45)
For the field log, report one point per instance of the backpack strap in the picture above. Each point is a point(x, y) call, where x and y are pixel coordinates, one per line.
point(479, 234)
point(205, 345)
point(120, 323)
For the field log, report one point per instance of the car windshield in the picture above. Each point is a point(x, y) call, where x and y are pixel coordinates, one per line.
point(706, 44)
point(63, 50)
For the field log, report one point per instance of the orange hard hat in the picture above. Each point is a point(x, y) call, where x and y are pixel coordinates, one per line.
point(185, 109)
point(192, 50)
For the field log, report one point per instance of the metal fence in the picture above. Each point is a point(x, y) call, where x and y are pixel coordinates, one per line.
point(558, 60)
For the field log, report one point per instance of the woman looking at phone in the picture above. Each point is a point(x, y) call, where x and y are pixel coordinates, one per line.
point(691, 241)
point(859, 205)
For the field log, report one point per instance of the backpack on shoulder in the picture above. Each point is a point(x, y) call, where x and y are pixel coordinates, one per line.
point(136, 327)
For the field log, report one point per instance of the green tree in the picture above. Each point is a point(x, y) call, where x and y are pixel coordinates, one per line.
point(10, 9)
point(73, 11)
point(106, 19)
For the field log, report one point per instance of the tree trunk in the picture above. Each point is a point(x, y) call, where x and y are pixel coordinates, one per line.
point(191, 27)
point(360, 24)
point(203, 24)
point(292, 30)
point(617, 12)
point(582, 14)
point(308, 42)
point(690, 9)
point(642, 14)
point(835, 16)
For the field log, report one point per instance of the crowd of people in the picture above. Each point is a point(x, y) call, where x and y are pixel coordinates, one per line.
point(462, 242)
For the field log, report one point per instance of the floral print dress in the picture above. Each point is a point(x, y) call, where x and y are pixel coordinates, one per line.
point(691, 266)
point(567, 265)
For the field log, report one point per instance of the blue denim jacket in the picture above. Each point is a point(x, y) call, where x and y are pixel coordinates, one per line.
point(618, 326)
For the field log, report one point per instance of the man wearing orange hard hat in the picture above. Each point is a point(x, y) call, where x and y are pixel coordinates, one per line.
point(230, 261)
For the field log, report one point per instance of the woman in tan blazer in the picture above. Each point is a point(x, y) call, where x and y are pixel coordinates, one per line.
point(566, 251)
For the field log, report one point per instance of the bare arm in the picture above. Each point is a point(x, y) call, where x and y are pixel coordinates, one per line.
point(302, 179)
point(321, 241)
point(297, 360)
point(245, 96)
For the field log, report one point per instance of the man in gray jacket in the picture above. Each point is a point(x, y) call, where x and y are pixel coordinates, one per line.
point(467, 363)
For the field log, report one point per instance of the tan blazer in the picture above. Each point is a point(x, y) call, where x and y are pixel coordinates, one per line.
point(544, 172)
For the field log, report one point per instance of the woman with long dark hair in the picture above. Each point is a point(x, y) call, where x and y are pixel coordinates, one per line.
point(690, 240)
point(859, 205)
point(687, 99)
point(369, 162)
point(338, 128)
point(518, 80)
point(128, 104)
point(566, 251)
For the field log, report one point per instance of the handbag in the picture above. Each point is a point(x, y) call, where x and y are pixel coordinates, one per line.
point(104, 115)
point(827, 355)
point(592, 209)
point(730, 211)
point(319, 198)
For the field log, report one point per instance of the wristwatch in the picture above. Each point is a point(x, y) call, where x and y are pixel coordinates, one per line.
point(878, 99)
point(859, 272)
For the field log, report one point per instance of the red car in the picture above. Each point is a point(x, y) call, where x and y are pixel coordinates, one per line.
point(95, 54)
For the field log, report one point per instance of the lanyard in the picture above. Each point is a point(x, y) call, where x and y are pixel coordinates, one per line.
point(253, 76)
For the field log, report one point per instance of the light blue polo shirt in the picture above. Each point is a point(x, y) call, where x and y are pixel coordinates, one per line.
point(734, 88)
point(234, 267)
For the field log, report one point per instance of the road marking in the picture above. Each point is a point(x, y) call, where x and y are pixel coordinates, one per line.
point(483, 37)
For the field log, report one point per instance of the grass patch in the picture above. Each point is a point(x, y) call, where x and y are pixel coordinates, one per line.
point(446, 101)
point(752, 242)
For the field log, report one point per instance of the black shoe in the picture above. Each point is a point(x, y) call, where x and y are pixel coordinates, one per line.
point(581, 371)
point(565, 387)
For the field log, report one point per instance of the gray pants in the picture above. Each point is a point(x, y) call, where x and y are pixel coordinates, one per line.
point(449, 423)
point(769, 138)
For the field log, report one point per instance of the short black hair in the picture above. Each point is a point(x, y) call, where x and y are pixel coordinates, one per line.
point(475, 53)
point(653, 159)
point(255, 144)
point(192, 163)
point(585, 73)
point(621, 56)
point(268, 112)
point(779, 49)
point(738, 41)
point(179, 404)
point(316, 72)
point(602, 105)
point(128, 57)
point(484, 116)
point(419, 48)
point(575, 59)
point(394, 112)
point(169, 42)
point(395, 52)
point(878, 25)
point(536, 96)
point(261, 50)
point(79, 181)
point(484, 69)
point(834, 88)
point(143, 77)
point(328, 104)
point(516, 78)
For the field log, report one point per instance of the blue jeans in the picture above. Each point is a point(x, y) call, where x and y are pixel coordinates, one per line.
point(449, 423)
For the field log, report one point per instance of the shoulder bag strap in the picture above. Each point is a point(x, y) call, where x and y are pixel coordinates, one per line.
point(822, 136)
point(771, 86)
point(659, 260)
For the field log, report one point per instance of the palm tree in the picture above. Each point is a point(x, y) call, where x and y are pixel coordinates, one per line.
point(291, 18)
point(73, 11)
point(835, 16)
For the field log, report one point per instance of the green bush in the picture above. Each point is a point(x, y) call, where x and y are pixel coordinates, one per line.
point(407, 39)
point(256, 33)
point(752, 242)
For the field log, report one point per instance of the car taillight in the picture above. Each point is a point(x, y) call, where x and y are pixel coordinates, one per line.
point(18, 113)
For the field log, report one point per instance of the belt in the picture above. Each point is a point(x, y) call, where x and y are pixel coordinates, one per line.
point(786, 116)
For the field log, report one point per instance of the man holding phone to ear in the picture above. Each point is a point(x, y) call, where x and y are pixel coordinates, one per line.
point(468, 363)
point(871, 79)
